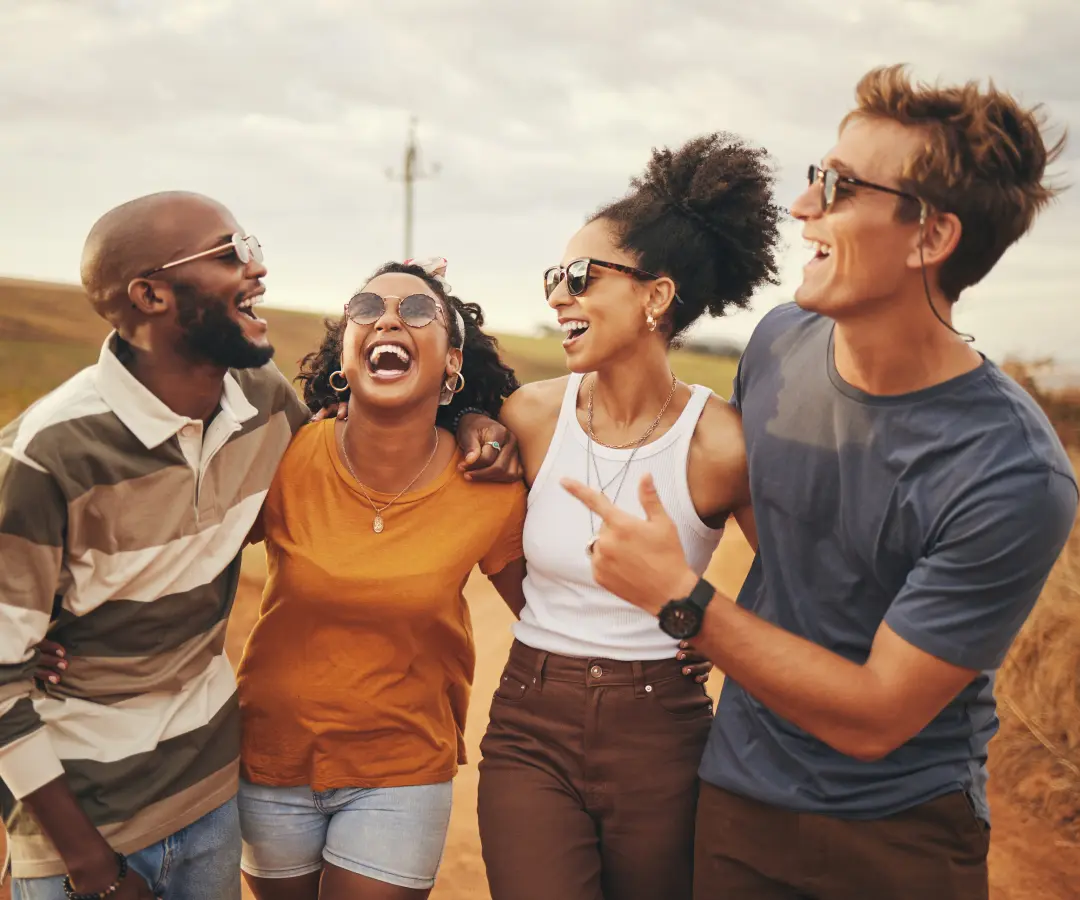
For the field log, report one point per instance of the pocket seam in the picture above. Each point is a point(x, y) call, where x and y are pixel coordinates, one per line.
point(503, 681)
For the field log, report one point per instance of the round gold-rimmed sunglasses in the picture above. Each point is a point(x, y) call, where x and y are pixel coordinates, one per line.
point(416, 310)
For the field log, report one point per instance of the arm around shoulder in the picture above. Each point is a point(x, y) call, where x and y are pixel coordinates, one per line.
point(531, 414)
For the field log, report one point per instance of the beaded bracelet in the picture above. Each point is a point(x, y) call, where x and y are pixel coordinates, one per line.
point(69, 890)
point(461, 415)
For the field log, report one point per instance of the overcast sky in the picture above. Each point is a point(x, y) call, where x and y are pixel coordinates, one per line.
point(291, 112)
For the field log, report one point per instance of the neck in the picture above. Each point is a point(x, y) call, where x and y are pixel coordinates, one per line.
point(387, 448)
point(188, 389)
point(633, 386)
point(901, 347)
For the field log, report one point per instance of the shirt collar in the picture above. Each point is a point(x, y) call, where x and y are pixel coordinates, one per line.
point(143, 413)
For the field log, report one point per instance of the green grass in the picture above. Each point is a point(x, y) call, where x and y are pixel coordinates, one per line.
point(49, 332)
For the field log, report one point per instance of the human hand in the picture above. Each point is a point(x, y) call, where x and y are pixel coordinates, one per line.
point(640, 560)
point(51, 662)
point(490, 450)
point(695, 665)
point(337, 410)
point(101, 874)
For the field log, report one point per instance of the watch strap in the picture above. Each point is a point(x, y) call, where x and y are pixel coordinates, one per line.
point(702, 594)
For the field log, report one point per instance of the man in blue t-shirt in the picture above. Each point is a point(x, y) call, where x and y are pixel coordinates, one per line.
point(910, 501)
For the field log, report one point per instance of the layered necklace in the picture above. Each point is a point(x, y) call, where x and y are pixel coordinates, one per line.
point(621, 474)
point(378, 525)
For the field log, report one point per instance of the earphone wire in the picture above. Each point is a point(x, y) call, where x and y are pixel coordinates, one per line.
point(926, 282)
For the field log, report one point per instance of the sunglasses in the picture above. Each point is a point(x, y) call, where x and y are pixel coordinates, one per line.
point(576, 275)
point(831, 179)
point(416, 310)
point(245, 246)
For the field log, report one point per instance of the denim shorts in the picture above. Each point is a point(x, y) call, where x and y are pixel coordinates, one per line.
point(395, 835)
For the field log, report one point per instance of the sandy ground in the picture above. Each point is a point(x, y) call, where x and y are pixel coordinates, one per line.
point(1028, 860)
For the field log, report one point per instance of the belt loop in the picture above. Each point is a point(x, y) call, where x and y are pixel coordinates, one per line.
point(538, 671)
point(639, 678)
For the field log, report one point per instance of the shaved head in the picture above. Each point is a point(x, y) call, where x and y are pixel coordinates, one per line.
point(139, 236)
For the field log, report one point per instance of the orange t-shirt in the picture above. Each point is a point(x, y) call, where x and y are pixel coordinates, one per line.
point(358, 670)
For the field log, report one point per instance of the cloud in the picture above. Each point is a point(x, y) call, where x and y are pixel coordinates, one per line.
point(292, 112)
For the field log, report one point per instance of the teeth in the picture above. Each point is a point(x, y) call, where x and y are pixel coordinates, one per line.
point(573, 325)
point(820, 248)
point(250, 302)
point(380, 349)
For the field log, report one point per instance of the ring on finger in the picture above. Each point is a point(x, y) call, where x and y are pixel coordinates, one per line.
point(494, 444)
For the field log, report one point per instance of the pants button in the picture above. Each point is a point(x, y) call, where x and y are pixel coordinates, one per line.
point(596, 671)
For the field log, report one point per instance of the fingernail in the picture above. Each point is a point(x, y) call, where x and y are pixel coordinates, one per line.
point(61, 665)
point(683, 644)
point(54, 679)
point(60, 651)
point(686, 671)
point(681, 656)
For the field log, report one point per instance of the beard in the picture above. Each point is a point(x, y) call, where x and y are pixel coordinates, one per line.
point(210, 334)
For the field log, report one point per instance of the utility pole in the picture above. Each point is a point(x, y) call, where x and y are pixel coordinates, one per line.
point(411, 172)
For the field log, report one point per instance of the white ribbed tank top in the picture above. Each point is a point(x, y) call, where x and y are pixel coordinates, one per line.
point(566, 611)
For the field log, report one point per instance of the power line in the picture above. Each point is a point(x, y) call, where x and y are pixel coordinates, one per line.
point(412, 171)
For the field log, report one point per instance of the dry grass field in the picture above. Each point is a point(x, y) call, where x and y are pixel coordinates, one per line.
point(47, 333)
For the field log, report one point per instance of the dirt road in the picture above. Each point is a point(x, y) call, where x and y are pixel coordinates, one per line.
point(1028, 861)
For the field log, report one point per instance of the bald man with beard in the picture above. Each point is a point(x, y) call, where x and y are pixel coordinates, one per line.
point(126, 497)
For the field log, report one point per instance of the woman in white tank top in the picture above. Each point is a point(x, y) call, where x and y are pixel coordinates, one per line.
point(588, 783)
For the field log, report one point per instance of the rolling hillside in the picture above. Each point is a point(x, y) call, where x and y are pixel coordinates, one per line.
point(48, 332)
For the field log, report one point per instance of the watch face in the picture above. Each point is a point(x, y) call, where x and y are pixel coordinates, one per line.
point(680, 619)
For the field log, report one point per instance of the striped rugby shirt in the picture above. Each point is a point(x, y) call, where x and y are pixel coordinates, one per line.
point(121, 526)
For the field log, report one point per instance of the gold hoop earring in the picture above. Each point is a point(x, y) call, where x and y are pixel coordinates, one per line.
point(650, 321)
point(334, 387)
point(460, 387)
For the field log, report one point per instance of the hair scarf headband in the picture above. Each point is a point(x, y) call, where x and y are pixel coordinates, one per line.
point(435, 266)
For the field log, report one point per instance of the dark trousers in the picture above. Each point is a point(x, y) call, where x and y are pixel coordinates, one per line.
point(588, 783)
point(746, 850)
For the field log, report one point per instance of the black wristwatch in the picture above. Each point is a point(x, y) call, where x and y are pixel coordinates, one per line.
point(682, 619)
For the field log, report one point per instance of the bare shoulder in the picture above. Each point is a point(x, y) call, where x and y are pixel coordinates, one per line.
point(532, 404)
point(717, 470)
point(531, 413)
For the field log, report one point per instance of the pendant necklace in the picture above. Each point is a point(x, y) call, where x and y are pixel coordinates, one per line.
point(377, 525)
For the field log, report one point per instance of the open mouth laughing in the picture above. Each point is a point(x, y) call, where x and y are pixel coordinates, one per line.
point(247, 305)
point(821, 251)
point(573, 329)
point(387, 361)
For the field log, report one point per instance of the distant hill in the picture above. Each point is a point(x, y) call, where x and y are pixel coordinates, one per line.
point(48, 332)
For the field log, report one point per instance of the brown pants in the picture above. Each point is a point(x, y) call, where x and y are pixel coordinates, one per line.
point(588, 783)
point(746, 850)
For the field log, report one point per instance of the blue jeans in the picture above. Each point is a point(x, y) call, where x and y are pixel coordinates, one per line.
point(199, 862)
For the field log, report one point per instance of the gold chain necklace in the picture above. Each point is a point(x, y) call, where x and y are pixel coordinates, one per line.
point(590, 461)
point(648, 431)
point(378, 525)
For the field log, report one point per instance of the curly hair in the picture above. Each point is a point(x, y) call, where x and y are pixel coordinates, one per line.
point(488, 380)
point(704, 216)
point(984, 159)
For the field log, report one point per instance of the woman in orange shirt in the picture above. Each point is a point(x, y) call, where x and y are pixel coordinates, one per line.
point(355, 681)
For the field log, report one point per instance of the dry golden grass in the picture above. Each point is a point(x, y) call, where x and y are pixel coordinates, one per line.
point(1035, 758)
point(48, 333)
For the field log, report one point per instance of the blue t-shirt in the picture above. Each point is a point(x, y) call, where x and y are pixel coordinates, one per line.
point(939, 512)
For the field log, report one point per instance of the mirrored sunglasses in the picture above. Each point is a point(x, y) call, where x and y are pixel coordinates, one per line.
point(246, 247)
